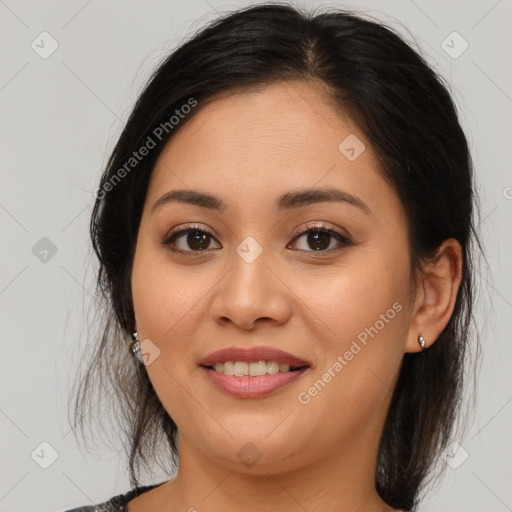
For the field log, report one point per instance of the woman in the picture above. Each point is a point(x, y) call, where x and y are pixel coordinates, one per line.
point(285, 228)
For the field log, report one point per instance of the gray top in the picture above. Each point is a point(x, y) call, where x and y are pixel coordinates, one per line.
point(116, 503)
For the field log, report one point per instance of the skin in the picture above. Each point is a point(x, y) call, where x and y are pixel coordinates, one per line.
point(248, 148)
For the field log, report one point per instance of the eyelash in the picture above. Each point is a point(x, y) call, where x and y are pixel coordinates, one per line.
point(170, 239)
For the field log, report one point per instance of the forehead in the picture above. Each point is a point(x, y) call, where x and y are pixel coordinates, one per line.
point(273, 138)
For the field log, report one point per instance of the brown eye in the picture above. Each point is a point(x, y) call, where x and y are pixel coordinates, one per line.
point(320, 239)
point(188, 240)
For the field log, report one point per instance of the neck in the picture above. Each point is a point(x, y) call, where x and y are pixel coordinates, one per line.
point(342, 480)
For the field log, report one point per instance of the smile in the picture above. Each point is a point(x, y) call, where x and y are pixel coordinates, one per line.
point(253, 369)
point(255, 386)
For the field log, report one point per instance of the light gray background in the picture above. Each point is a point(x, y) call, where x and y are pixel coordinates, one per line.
point(59, 120)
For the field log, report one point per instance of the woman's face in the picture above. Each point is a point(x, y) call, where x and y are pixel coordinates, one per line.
point(249, 279)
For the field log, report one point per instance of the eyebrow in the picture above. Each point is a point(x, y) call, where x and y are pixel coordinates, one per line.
point(288, 201)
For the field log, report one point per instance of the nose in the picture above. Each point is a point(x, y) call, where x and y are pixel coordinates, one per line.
point(251, 292)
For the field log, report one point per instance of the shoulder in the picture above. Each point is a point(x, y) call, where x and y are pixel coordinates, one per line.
point(116, 503)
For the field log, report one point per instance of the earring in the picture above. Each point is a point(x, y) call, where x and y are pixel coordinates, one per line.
point(135, 346)
point(422, 342)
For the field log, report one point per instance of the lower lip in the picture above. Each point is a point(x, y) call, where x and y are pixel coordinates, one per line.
point(252, 387)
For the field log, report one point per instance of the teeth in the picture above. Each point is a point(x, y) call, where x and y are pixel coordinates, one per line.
point(272, 367)
point(254, 369)
point(257, 369)
point(241, 368)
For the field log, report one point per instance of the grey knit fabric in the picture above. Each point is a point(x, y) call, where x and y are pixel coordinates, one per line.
point(116, 503)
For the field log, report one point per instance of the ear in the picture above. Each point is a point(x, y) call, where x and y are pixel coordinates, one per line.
point(436, 295)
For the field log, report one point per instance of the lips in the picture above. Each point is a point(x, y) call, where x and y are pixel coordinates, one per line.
point(253, 354)
point(253, 387)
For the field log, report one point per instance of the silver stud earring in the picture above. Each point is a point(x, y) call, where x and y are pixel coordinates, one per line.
point(422, 342)
point(135, 346)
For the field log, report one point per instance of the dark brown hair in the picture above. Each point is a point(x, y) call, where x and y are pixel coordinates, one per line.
point(404, 110)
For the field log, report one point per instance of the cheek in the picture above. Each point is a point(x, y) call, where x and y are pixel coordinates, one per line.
point(359, 316)
point(165, 296)
point(357, 295)
point(166, 303)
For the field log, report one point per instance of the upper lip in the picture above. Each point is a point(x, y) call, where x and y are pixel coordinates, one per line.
point(253, 354)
